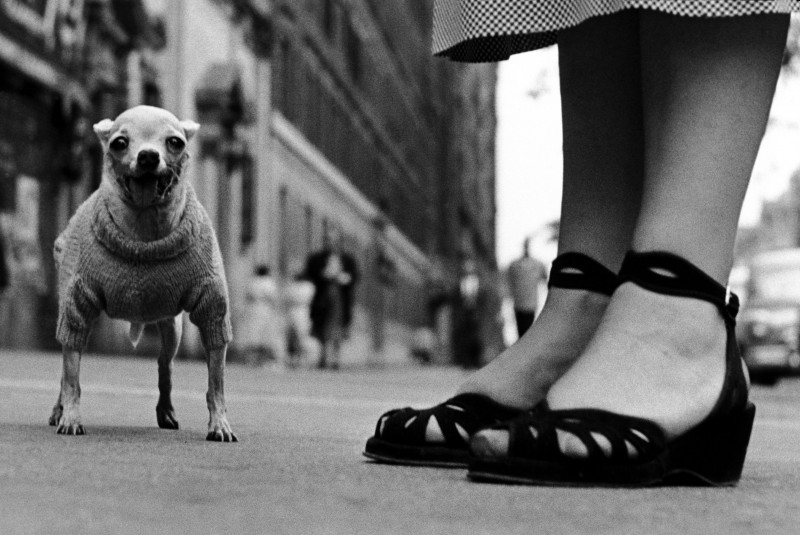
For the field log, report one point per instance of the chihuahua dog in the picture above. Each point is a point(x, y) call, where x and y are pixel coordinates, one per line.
point(141, 248)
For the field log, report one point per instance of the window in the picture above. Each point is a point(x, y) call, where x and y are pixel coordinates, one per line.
point(283, 224)
point(309, 229)
point(152, 94)
point(329, 12)
point(285, 82)
point(248, 204)
point(352, 50)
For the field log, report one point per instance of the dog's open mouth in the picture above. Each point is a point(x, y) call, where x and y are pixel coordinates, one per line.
point(148, 188)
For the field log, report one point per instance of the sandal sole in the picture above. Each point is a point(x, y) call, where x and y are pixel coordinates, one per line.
point(436, 457)
point(676, 478)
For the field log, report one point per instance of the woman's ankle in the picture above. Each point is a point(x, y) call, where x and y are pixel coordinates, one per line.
point(688, 326)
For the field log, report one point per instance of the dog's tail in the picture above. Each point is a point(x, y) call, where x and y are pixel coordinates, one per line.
point(136, 333)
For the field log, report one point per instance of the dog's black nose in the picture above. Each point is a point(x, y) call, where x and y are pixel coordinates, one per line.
point(147, 159)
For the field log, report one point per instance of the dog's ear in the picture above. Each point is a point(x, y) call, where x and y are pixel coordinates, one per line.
point(189, 129)
point(103, 129)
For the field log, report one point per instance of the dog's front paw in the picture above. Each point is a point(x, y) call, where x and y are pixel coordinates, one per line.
point(70, 426)
point(69, 422)
point(165, 416)
point(55, 416)
point(219, 430)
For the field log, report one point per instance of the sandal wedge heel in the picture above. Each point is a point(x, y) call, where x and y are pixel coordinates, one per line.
point(401, 435)
point(711, 453)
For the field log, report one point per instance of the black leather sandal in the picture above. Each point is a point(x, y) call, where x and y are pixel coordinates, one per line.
point(400, 435)
point(711, 453)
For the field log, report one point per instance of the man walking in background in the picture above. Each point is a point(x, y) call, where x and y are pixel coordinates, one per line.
point(334, 275)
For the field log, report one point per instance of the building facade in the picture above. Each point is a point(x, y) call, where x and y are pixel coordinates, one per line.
point(318, 115)
point(63, 65)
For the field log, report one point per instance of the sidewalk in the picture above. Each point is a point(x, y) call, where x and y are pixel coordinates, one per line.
point(298, 467)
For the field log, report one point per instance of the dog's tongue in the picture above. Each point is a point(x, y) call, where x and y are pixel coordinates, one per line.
point(144, 190)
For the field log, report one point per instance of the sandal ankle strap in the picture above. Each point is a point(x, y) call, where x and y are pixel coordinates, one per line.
point(667, 273)
point(580, 272)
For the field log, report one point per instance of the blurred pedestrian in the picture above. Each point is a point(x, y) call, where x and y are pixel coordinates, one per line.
point(297, 301)
point(4, 276)
point(259, 334)
point(525, 276)
point(423, 344)
point(633, 378)
point(8, 183)
point(468, 342)
point(334, 274)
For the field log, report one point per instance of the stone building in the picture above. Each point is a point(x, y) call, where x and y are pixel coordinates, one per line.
point(63, 65)
point(317, 115)
point(414, 137)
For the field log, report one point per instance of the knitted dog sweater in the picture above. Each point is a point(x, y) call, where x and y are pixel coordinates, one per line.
point(102, 269)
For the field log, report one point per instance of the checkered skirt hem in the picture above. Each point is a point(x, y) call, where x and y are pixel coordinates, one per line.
point(493, 30)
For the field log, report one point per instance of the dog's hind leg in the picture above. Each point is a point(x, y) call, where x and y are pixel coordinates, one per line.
point(66, 413)
point(171, 330)
point(219, 429)
point(58, 410)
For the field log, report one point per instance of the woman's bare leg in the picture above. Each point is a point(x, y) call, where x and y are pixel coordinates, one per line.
point(708, 86)
point(603, 170)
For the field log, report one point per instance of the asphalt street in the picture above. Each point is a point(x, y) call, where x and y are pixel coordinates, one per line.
point(298, 467)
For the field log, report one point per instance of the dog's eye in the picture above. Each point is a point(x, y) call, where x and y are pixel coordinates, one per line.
point(175, 143)
point(119, 143)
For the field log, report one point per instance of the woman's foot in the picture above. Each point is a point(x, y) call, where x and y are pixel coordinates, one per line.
point(657, 357)
point(659, 394)
point(653, 356)
point(515, 381)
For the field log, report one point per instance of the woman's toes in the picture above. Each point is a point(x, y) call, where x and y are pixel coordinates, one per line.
point(433, 431)
point(574, 446)
point(490, 443)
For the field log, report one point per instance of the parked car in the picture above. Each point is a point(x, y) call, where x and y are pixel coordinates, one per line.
point(769, 324)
